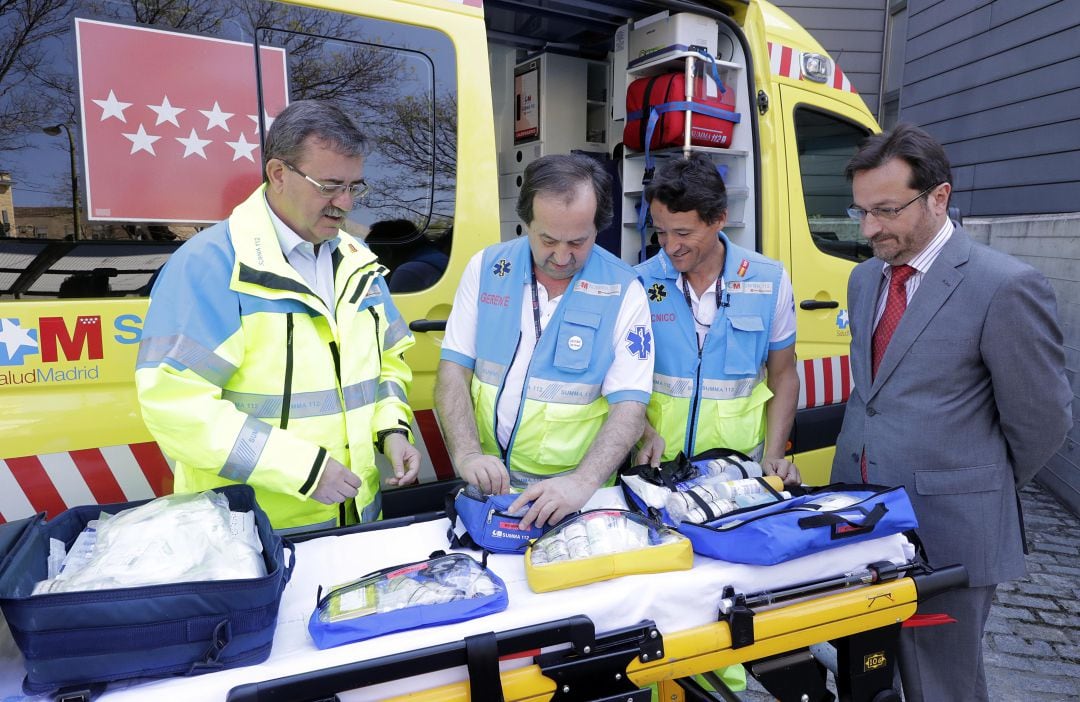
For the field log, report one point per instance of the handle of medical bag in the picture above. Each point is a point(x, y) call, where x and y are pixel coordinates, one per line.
point(850, 527)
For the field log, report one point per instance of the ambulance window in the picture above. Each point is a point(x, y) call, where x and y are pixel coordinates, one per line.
point(826, 143)
point(92, 151)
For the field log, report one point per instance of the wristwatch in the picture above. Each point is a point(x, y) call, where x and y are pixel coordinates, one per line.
point(380, 438)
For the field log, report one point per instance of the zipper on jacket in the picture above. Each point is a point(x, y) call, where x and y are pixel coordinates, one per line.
point(498, 396)
point(378, 341)
point(521, 407)
point(691, 425)
point(286, 392)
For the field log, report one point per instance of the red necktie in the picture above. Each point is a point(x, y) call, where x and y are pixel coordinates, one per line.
point(895, 304)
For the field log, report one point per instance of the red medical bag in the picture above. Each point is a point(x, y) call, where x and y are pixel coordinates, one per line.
point(644, 94)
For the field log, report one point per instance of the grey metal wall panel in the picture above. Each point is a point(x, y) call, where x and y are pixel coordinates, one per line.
point(956, 45)
point(1035, 112)
point(1038, 54)
point(1034, 83)
point(938, 14)
point(930, 42)
point(1008, 11)
point(847, 19)
point(837, 41)
point(1047, 139)
point(1026, 199)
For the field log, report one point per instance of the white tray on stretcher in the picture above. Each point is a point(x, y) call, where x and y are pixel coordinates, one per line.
point(675, 601)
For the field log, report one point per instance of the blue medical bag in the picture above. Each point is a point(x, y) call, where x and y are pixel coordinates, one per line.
point(97, 636)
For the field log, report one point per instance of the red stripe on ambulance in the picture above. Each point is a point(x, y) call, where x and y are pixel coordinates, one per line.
point(824, 381)
point(36, 486)
point(95, 471)
point(154, 467)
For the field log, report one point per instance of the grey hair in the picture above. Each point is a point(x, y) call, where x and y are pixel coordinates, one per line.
point(562, 174)
point(312, 118)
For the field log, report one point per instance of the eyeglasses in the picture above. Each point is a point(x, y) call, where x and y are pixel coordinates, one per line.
point(358, 189)
point(859, 214)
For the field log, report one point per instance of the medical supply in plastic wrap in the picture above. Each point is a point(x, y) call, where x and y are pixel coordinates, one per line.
point(173, 539)
point(699, 489)
point(480, 521)
point(178, 628)
point(828, 517)
point(600, 545)
point(442, 590)
point(729, 467)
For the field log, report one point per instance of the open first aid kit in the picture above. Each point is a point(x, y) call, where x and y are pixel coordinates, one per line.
point(828, 517)
point(445, 589)
point(700, 489)
point(603, 544)
point(127, 600)
point(480, 521)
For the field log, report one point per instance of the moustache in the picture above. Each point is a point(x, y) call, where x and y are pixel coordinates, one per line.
point(334, 212)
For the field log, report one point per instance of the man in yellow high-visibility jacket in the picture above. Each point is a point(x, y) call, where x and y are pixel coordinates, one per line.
point(272, 352)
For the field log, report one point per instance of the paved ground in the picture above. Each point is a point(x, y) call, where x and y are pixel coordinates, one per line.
point(1032, 643)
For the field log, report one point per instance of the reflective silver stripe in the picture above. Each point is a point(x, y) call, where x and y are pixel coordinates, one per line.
point(360, 394)
point(729, 389)
point(520, 480)
point(562, 393)
point(302, 404)
point(328, 524)
point(757, 452)
point(489, 372)
point(395, 333)
point(390, 389)
point(246, 451)
point(188, 353)
point(672, 386)
point(372, 511)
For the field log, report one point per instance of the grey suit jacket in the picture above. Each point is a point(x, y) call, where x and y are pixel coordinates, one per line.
point(969, 402)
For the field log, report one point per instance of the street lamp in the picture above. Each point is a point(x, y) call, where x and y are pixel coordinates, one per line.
point(55, 131)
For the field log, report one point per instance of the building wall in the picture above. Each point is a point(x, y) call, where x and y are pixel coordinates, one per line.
point(852, 32)
point(998, 83)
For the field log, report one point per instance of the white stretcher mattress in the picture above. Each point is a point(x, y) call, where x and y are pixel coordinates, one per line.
point(674, 601)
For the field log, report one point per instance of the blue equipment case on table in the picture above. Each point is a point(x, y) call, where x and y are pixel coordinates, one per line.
point(84, 639)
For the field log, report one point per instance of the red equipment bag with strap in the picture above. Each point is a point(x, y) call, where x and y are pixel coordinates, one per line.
point(712, 123)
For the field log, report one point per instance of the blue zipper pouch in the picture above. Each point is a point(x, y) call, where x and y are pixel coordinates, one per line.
point(484, 522)
point(445, 589)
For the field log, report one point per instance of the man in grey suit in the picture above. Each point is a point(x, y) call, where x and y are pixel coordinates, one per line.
point(959, 393)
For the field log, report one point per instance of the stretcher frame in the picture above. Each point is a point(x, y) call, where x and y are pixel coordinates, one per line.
point(769, 633)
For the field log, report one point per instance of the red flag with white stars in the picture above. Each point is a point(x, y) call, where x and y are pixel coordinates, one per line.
point(170, 121)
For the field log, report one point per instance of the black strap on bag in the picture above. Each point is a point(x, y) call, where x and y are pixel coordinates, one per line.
point(843, 528)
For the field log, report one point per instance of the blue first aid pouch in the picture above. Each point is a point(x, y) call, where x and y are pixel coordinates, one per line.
point(444, 589)
point(828, 517)
point(92, 637)
point(483, 522)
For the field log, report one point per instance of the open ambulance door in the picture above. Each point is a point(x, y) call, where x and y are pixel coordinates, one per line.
point(820, 136)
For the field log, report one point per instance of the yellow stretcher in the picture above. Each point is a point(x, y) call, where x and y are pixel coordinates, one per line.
point(566, 660)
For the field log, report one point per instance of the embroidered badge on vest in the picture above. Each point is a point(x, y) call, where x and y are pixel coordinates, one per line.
point(639, 342)
point(501, 267)
point(657, 292)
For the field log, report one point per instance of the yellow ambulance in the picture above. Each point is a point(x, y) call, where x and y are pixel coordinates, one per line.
point(144, 122)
